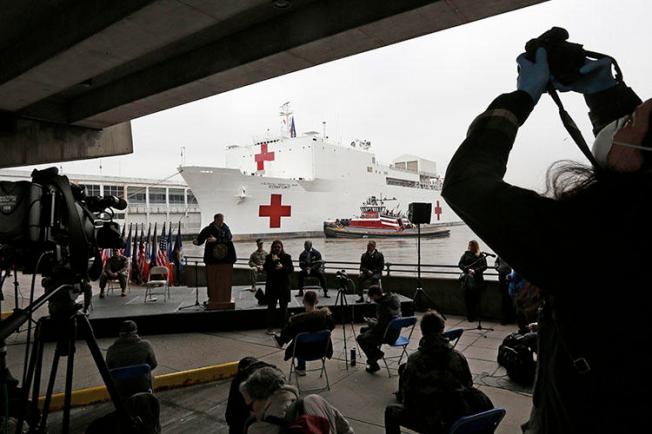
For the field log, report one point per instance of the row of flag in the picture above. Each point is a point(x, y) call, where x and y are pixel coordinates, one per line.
point(145, 251)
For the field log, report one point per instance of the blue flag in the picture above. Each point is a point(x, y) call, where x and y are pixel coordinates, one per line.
point(127, 250)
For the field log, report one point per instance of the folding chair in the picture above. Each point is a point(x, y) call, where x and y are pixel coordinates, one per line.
point(454, 335)
point(397, 325)
point(480, 423)
point(308, 347)
point(133, 379)
point(158, 277)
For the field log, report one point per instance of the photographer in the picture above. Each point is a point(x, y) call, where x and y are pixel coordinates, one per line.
point(585, 384)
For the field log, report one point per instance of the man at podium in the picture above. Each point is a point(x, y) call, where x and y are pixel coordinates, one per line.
point(219, 257)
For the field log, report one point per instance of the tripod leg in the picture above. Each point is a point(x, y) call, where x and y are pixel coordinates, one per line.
point(87, 331)
point(29, 376)
point(67, 397)
point(50, 389)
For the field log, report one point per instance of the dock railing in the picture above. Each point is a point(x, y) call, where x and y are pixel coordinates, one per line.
point(352, 268)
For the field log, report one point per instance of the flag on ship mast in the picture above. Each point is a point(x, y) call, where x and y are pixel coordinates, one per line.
point(293, 130)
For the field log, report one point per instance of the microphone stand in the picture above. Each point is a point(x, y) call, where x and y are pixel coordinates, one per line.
point(196, 292)
point(483, 330)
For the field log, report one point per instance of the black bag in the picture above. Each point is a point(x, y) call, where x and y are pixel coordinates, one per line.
point(260, 296)
point(516, 355)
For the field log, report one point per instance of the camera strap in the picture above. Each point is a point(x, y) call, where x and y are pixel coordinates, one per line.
point(568, 121)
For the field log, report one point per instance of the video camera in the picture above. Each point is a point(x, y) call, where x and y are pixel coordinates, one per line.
point(50, 226)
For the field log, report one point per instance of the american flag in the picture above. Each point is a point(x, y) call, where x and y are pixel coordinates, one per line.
point(162, 256)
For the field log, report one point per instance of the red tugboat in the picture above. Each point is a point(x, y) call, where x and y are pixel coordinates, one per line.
point(376, 221)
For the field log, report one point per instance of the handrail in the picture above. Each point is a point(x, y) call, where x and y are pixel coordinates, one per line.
point(390, 267)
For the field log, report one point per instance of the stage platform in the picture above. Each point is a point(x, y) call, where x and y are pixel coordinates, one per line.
point(180, 315)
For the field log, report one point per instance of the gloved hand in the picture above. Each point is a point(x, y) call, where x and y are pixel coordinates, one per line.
point(533, 78)
point(596, 77)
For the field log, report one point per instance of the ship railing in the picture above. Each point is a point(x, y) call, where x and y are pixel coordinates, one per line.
point(352, 268)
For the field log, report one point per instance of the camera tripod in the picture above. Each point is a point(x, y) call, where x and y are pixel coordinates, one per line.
point(67, 324)
point(343, 303)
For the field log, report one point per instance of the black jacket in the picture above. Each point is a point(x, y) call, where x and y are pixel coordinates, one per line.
point(374, 262)
point(590, 262)
point(223, 245)
point(478, 264)
point(387, 309)
point(311, 259)
point(278, 281)
point(316, 321)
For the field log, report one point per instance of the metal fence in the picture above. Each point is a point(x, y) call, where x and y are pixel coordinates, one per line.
point(391, 268)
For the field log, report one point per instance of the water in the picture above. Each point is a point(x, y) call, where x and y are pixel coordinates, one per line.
point(440, 251)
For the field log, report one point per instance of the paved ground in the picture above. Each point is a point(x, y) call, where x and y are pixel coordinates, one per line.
point(360, 396)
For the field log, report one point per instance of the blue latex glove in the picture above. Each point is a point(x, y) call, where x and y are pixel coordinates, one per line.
point(533, 78)
point(596, 77)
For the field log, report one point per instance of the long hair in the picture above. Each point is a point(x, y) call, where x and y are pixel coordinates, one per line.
point(567, 179)
point(275, 242)
point(474, 247)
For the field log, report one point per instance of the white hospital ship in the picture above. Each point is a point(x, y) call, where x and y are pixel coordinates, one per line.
point(288, 186)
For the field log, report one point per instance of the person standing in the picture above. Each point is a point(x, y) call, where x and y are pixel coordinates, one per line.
point(472, 263)
point(115, 268)
point(218, 252)
point(311, 264)
point(256, 261)
point(372, 263)
point(278, 266)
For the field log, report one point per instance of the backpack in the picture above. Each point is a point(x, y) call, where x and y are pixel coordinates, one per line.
point(296, 421)
point(516, 355)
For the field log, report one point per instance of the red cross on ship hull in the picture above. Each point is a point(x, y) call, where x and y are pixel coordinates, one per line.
point(275, 211)
point(262, 157)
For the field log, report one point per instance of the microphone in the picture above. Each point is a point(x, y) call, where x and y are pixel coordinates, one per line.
point(488, 254)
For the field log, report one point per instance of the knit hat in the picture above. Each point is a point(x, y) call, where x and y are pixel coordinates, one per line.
point(128, 327)
point(604, 140)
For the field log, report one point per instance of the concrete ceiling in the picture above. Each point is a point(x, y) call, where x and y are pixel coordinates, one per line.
point(93, 64)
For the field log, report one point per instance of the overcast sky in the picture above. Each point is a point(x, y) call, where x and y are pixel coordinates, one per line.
point(417, 96)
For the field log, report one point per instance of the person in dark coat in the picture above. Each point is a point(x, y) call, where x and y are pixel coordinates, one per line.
point(278, 266)
point(129, 349)
point(592, 236)
point(472, 263)
point(388, 307)
point(311, 264)
point(507, 303)
point(372, 263)
point(216, 233)
point(312, 320)
point(237, 413)
point(435, 386)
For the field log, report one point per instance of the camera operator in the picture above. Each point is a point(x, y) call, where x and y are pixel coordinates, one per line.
point(585, 384)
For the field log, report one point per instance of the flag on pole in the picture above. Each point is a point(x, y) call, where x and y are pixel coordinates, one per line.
point(127, 249)
point(148, 255)
point(135, 269)
point(142, 255)
point(177, 255)
point(293, 130)
point(170, 263)
point(154, 256)
point(162, 257)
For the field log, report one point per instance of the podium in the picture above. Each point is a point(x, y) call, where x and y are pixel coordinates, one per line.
point(219, 278)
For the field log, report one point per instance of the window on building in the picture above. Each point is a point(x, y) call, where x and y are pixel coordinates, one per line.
point(191, 198)
point(157, 195)
point(135, 195)
point(92, 189)
point(176, 196)
point(114, 190)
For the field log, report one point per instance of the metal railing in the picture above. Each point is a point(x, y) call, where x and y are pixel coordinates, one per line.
point(391, 268)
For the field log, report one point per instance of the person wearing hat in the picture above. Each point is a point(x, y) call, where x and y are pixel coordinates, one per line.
point(129, 349)
point(591, 234)
point(256, 261)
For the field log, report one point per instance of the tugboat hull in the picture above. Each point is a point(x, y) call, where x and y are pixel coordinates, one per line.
point(427, 231)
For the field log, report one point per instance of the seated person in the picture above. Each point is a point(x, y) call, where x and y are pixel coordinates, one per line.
point(129, 350)
point(272, 402)
point(237, 413)
point(256, 261)
point(311, 264)
point(435, 387)
point(312, 320)
point(115, 268)
point(388, 307)
point(372, 263)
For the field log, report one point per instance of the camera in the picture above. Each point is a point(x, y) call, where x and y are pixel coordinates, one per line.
point(564, 58)
point(50, 226)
